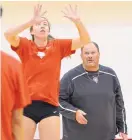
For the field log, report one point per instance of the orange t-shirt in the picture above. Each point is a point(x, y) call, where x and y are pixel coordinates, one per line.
point(13, 95)
point(42, 67)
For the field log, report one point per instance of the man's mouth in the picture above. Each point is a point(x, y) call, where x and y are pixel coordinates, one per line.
point(90, 61)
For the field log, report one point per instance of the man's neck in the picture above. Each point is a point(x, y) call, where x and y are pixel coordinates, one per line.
point(95, 68)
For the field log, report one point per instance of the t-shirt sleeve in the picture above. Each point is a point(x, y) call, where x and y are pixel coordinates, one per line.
point(22, 49)
point(65, 47)
point(22, 97)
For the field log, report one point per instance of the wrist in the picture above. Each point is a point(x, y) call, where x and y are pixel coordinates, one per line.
point(31, 22)
point(77, 111)
point(77, 21)
point(122, 132)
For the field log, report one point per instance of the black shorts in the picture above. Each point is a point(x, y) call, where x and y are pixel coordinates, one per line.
point(39, 110)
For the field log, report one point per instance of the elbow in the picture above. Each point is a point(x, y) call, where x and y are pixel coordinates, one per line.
point(86, 41)
point(7, 34)
point(17, 116)
point(17, 120)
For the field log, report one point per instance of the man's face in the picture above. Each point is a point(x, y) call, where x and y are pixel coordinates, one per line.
point(90, 55)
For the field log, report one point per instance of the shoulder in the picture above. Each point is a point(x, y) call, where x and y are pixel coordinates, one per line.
point(73, 73)
point(107, 70)
point(62, 41)
point(10, 61)
point(26, 42)
point(8, 57)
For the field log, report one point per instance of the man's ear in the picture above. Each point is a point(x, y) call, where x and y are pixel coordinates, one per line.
point(99, 54)
point(81, 54)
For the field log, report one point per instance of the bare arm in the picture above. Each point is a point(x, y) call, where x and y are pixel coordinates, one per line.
point(17, 124)
point(11, 35)
point(84, 39)
point(84, 36)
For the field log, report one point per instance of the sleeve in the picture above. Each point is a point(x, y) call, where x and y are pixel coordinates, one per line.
point(65, 47)
point(66, 108)
point(22, 49)
point(22, 97)
point(120, 109)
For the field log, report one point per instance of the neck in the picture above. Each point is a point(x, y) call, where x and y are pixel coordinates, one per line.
point(95, 68)
point(40, 42)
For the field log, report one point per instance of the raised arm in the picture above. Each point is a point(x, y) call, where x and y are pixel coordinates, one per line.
point(11, 35)
point(71, 14)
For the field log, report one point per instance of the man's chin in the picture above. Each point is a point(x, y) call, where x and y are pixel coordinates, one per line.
point(91, 65)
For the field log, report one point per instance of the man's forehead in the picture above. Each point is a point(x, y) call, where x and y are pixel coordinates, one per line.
point(90, 47)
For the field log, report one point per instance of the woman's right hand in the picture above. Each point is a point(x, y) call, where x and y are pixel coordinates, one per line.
point(37, 17)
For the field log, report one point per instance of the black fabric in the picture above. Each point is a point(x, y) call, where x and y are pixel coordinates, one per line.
point(40, 110)
point(102, 101)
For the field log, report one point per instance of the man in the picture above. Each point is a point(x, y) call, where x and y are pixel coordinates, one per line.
point(91, 101)
point(13, 98)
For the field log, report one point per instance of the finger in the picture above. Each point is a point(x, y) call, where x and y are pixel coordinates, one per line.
point(80, 121)
point(40, 7)
point(37, 8)
point(67, 17)
point(71, 9)
point(34, 10)
point(125, 137)
point(66, 9)
point(64, 13)
point(76, 8)
point(84, 119)
point(120, 134)
point(43, 13)
point(83, 113)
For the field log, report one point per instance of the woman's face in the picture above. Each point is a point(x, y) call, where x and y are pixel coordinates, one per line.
point(41, 30)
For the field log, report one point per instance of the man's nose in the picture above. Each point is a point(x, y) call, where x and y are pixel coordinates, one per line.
point(90, 56)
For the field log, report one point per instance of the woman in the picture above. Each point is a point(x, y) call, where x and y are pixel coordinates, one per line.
point(41, 59)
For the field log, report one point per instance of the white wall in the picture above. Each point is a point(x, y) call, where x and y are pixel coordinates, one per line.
point(116, 51)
